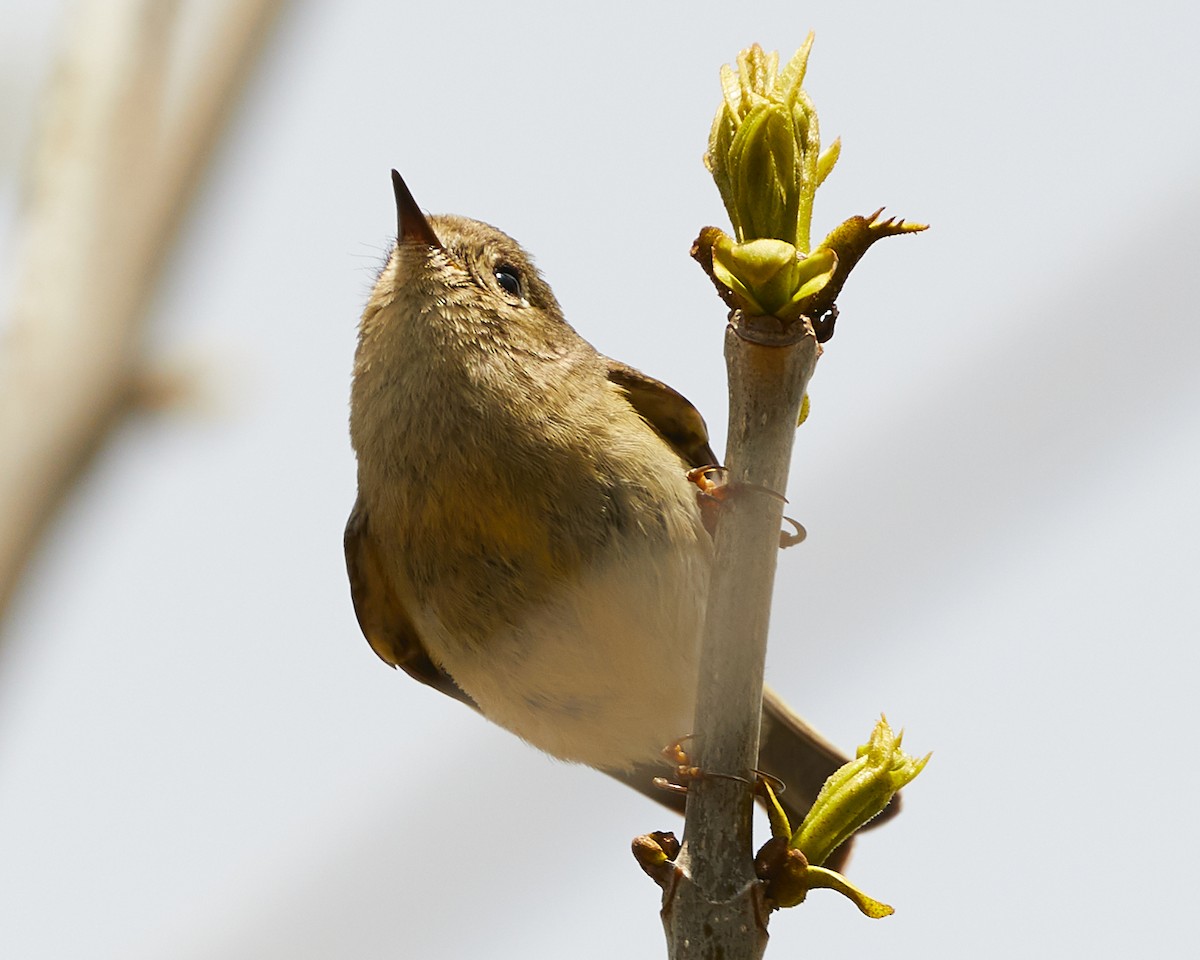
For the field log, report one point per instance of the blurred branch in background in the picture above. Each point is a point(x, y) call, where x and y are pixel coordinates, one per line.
point(114, 166)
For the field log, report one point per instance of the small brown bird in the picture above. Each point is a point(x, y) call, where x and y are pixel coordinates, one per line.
point(526, 538)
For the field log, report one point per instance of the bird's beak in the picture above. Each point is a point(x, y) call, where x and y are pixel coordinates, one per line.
point(412, 227)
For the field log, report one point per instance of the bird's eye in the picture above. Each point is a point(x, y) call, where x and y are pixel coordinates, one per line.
point(509, 279)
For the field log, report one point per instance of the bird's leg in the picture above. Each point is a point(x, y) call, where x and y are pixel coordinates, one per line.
point(684, 770)
point(715, 488)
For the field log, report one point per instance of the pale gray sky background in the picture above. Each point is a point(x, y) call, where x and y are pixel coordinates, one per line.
point(199, 755)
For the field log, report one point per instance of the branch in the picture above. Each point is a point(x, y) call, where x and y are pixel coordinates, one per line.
point(109, 182)
point(765, 156)
point(715, 898)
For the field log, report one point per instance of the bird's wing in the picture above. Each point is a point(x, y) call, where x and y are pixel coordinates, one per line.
point(667, 411)
point(381, 613)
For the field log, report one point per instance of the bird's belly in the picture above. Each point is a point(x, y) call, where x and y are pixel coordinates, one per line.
point(603, 671)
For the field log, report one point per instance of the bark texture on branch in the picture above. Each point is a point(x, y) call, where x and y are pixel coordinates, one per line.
point(714, 908)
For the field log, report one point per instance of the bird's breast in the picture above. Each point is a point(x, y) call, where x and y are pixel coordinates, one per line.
point(546, 540)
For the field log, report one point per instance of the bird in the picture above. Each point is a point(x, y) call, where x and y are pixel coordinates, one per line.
point(527, 538)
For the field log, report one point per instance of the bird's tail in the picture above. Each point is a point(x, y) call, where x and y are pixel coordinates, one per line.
point(791, 751)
